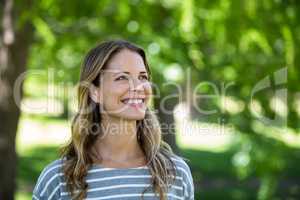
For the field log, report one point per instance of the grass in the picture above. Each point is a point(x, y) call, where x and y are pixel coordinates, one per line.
point(38, 141)
point(31, 163)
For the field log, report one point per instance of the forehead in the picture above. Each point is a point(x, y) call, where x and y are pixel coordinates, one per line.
point(126, 60)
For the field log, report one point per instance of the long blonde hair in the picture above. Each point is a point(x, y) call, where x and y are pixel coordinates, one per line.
point(77, 153)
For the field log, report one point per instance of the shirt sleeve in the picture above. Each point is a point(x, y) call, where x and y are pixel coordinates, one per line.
point(188, 184)
point(187, 178)
point(48, 184)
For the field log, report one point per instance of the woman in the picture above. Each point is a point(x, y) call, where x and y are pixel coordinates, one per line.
point(116, 150)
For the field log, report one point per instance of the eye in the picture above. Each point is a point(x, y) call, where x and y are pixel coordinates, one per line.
point(144, 77)
point(121, 78)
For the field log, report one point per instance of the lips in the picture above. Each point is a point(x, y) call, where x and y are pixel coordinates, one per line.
point(133, 100)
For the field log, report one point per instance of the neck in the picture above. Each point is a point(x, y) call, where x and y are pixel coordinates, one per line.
point(119, 140)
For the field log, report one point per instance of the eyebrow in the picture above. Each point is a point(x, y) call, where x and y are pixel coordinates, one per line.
point(142, 72)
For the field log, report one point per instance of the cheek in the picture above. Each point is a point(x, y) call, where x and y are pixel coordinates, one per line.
point(148, 88)
point(116, 92)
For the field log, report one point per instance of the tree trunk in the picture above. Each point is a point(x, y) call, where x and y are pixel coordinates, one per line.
point(169, 134)
point(13, 56)
point(167, 121)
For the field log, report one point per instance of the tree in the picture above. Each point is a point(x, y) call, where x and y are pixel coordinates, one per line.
point(15, 43)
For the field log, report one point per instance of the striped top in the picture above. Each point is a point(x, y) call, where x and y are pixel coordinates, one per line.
point(114, 183)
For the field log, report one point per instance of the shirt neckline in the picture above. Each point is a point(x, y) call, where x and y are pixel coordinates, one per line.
point(114, 168)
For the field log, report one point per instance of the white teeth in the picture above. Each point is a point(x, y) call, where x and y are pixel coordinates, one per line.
point(135, 101)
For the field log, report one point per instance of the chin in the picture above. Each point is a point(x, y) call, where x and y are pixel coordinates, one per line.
point(132, 116)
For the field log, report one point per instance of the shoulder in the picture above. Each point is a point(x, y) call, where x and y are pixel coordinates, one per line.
point(49, 181)
point(184, 171)
point(181, 164)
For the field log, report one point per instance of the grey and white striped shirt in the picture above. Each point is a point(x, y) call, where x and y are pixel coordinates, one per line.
point(114, 183)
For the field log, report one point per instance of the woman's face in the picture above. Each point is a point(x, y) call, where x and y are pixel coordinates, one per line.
point(124, 89)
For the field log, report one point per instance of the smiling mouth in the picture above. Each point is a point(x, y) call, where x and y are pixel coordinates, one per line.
point(135, 101)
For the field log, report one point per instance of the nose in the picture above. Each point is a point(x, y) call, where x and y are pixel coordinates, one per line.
point(135, 85)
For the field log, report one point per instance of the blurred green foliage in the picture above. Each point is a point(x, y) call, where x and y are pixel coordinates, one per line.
point(235, 43)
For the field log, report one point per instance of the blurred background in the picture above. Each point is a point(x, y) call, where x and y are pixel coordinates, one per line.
point(228, 69)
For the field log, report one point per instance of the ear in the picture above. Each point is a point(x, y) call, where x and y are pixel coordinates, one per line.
point(94, 93)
